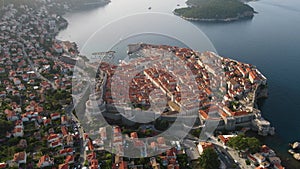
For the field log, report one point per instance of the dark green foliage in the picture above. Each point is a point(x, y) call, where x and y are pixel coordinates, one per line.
point(215, 9)
point(196, 132)
point(55, 99)
point(209, 159)
point(161, 124)
point(182, 160)
point(241, 142)
point(5, 126)
point(247, 162)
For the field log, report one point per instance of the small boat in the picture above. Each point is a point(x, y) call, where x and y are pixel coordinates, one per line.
point(150, 8)
point(178, 4)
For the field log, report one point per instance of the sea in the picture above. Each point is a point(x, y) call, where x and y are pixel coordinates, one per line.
point(270, 41)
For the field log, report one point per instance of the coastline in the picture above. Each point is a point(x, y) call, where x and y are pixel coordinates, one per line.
point(276, 143)
point(248, 14)
point(241, 17)
point(75, 9)
point(88, 6)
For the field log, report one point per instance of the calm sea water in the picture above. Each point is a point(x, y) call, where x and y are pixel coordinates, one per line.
point(271, 41)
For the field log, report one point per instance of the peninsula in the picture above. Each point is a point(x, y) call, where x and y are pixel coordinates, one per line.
point(215, 10)
point(237, 86)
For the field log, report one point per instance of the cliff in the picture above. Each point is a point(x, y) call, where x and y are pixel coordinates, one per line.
point(262, 92)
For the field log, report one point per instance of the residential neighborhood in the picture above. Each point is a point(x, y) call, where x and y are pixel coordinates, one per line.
point(35, 90)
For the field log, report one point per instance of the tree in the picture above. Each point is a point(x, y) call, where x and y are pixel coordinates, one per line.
point(182, 159)
point(215, 9)
point(5, 126)
point(86, 163)
point(254, 144)
point(196, 132)
point(209, 159)
point(161, 124)
point(241, 142)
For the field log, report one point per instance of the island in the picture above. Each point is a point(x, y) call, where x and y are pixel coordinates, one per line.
point(215, 10)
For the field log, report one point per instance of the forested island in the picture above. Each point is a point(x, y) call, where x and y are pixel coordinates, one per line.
point(215, 10)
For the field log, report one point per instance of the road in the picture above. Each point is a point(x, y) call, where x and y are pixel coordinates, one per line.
point(240, 160)
point(226, 157)
point(69, 109)
point(82, 147)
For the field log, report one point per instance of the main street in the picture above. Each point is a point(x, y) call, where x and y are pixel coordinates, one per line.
point(69, 110)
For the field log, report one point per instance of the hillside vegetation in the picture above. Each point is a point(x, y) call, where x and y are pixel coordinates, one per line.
point(215, 10)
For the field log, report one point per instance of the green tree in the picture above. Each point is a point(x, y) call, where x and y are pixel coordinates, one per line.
point(182, 159)
point(5, 126)
point(196, 132)
point(254, 144)
point(86, 163)
point(215, 9)
point(209, 159)
point(241, 142)
point(161, 124)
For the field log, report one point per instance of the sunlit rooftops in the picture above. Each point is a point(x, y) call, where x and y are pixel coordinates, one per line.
point(159, 72)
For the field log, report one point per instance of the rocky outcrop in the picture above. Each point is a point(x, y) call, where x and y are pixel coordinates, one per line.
point(262, 92)
point(296, 156)
point(295, 150)
point(296, 145)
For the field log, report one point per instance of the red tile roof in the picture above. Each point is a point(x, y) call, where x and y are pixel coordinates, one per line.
point(52, 136)
point(64, 130)
point(3, 165)
point(43, 159)
point(94, 164)
point(63, 166)
point(279, 166)
point(69, 159)
point(239, 113)
point(19, 156)
point(133, 135)
point(223, 139)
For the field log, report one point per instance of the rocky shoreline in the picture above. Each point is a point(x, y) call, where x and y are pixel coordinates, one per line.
point(91, 4)
point(262, 93)
point(295, 150)
point(237, 18)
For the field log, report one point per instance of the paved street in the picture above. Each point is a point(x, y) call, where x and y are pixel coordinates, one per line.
point(241, 161)
point(226, 158)
point(191, 149)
